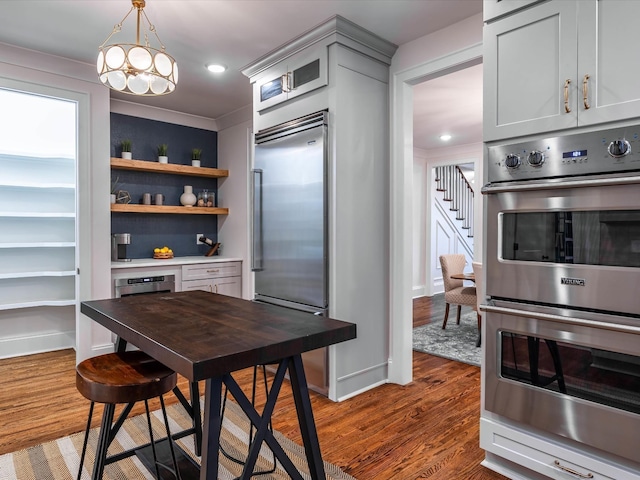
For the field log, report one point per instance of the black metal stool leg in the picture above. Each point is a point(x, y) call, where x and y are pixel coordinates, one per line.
point(153, 443)
point(103, 441)
point(176, 471)
point(86, 440)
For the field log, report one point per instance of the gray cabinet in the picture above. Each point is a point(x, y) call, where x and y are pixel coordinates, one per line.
point(224, 278)
point(496, 8)
point(356, 97)
point(294, 76)
point(559, 65)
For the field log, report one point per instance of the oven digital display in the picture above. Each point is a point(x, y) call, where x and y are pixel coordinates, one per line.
point(574, 154)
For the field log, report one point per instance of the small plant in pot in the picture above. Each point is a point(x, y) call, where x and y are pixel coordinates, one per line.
point(126, 148)
point(195, 157)
point(163, 149)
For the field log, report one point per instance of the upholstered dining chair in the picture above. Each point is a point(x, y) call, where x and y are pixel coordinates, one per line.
point(454, 290)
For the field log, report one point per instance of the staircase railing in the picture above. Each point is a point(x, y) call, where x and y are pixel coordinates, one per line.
point(456, 189)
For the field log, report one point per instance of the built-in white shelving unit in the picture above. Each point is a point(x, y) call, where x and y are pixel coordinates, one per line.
point(38, 266)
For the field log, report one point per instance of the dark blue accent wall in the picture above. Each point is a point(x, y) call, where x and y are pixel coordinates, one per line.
point(156, 230)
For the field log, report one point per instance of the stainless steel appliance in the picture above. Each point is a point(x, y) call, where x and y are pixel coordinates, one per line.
point(119, 242)
point(290, 223)
point(124, 287)
point(562, 271)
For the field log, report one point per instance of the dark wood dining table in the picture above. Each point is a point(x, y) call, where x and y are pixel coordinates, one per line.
point(464, 276)
point(206, 336)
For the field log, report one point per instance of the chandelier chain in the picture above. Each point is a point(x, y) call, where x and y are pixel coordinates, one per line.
point(117, 28)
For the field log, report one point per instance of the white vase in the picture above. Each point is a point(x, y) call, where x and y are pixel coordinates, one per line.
point(188, 199)
point(195, 163)
point(113, 198)
point(126, 155)
point(163, 159)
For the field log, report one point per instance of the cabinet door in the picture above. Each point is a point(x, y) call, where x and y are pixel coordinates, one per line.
point(529, 57)
point(496, 8)
point(231, 286)
point(307, 71)
point(294, 76)
point(608, 36)
point(270, 89)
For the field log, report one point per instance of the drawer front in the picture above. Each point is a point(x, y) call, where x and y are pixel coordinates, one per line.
point(549, 459)
point(211, 270)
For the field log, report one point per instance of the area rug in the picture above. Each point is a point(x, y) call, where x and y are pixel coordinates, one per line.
point(59, 459)
point(456, 342)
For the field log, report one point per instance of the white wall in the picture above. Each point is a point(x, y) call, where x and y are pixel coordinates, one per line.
point(234, 153)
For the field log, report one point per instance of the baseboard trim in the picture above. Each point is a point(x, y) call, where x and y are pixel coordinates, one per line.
point(29, 345)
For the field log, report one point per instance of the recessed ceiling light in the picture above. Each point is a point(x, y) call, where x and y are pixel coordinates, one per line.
point(445, 138)
point(215, 68)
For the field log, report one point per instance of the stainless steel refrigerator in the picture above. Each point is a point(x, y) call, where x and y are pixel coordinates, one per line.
point(290, 224)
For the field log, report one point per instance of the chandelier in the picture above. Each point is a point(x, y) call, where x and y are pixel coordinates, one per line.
point(134, 68)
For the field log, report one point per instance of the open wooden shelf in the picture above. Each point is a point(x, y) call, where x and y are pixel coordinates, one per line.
point(135, 208)
point(169, 168)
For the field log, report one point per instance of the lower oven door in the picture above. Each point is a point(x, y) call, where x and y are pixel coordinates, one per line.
point(572, 374)
point(568, 242)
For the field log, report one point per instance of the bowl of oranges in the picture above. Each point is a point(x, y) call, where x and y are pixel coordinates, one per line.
point(162, 252)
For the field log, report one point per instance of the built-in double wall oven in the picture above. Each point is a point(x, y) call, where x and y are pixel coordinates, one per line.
point(562, 268)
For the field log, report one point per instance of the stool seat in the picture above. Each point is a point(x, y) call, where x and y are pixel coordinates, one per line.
point(123, 377)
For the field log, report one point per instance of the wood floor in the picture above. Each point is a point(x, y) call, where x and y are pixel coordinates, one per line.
point(427, 429)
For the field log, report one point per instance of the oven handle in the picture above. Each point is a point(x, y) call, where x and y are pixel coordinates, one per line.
point(557, 318)
point(556, 184)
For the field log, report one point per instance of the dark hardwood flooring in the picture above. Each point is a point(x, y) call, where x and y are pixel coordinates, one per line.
point(426, 429)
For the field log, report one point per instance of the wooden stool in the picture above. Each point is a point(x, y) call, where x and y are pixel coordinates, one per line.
point(122, 377)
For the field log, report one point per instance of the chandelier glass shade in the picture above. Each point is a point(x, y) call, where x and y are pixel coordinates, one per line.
point(137, 69)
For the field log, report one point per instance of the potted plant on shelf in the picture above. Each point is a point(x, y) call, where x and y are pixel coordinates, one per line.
point(195, 157)
point(114, 189)
point(126, 149)
point(162, 153)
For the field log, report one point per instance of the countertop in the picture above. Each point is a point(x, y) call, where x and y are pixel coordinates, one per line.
point(151, 262)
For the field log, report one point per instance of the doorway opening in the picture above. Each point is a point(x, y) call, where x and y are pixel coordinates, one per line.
point(402, 158)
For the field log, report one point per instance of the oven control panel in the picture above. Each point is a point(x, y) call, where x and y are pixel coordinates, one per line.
point(605, 151)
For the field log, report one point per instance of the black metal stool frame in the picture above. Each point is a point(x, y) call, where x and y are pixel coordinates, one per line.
point(108, 431)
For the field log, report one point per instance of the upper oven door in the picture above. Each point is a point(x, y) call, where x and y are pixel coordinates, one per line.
point(566, 242)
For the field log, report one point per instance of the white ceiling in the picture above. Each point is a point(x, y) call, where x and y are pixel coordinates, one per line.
point(237, 32)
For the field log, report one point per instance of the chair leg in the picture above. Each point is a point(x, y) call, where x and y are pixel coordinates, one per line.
point(86, 440)
point(458, 314)
point(176, 471)
point(446, 316)
point(103, 440)
point(479, 341)
point(153, 443)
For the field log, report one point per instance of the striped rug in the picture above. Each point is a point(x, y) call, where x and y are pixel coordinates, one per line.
point(59, 459)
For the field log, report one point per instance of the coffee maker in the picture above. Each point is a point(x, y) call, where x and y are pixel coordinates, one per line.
point(119, 242)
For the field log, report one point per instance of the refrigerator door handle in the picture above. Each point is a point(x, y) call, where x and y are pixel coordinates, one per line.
point(256, 256)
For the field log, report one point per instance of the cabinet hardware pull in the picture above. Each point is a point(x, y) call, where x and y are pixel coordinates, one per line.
point(213, 271)
point(585, 91)
point(571, 471)
point(286, 85)
point(567, 109)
